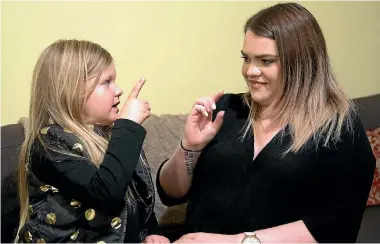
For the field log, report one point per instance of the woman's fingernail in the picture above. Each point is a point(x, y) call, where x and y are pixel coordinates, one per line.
point(213, 106)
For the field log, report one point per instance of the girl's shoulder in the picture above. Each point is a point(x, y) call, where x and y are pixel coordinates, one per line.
point(56, 133)
point(57, 142)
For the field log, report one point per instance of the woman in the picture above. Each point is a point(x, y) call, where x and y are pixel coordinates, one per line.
point(280, 159)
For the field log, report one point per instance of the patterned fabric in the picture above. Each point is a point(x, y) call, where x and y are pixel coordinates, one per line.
point(374, 139)
point(54, 216)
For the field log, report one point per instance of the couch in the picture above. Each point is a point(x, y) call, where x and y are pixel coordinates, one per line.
point(163, 135)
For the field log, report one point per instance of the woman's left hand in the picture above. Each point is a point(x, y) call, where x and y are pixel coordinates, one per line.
point(156, 239)
point(201, 237)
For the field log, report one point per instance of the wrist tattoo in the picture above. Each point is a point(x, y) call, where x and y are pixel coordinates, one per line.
point(189, 160)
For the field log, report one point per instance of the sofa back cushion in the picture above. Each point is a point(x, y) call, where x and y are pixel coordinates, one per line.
point(164, 133)
point(12, 137)
point(369, 110)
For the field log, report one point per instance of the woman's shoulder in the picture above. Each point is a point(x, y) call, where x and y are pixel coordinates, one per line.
point(353, 144)
point(353, 131)
point(232, 101)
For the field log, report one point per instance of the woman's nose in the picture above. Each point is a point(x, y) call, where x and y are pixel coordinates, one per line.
point(253, 71)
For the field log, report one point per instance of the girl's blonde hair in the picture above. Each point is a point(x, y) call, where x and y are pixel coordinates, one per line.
point(311, 101)
point(65, 75)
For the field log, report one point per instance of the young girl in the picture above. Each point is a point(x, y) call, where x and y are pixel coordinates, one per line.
point(83, 176)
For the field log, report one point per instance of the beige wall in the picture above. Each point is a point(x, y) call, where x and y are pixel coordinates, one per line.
point(184, 49)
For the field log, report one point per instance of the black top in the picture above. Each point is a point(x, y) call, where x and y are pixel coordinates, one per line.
point(80, 178)
point(103, 189)
point(231, 193)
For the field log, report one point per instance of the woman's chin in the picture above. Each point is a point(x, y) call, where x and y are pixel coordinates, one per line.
point(261, 99)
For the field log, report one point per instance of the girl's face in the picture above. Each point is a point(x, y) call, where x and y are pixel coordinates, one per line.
point(101, 106)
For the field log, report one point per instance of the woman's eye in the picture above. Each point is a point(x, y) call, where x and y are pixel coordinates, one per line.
point(267, 61)
point(246, 59)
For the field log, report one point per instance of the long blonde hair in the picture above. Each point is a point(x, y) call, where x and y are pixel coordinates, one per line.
point(311, 101)
point(60, 82)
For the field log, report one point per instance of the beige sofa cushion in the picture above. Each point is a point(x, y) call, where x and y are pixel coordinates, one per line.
point(163, 136)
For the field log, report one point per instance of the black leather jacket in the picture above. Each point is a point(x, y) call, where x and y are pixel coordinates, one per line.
point(57, 217)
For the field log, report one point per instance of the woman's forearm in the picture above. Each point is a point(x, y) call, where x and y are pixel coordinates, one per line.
point(177, 173)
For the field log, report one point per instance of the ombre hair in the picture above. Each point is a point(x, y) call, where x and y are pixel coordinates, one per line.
point(311, 102)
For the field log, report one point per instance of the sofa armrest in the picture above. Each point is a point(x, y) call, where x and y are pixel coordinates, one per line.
point(370, 227)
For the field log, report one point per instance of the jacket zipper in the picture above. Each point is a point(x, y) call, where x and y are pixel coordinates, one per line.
point(125, 225)
point(151, 186)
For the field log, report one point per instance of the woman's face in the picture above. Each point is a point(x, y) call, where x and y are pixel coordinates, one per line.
point(261, 68)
